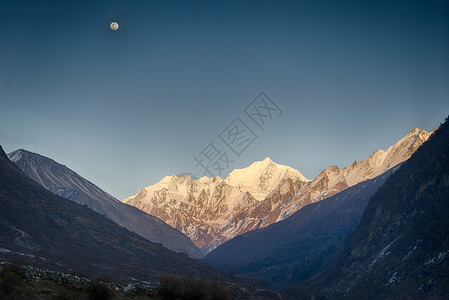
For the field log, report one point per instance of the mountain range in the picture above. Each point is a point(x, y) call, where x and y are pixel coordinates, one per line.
point(60, 234)
point(211, 211)
point(376, 229)
point(295, 249)
point(400, 248)
point(202, 208)
point(66, 183)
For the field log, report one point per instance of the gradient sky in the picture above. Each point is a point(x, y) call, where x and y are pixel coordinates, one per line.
point(126, 108)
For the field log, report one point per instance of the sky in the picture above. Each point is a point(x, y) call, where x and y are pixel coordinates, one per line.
point(125, 108)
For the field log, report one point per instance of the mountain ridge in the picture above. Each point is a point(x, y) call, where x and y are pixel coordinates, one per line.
point(219, 219)
point(295, 249)
point(333, 179)
point(66, 183)
point(399, 249)
point(200, 208)
point(60, 234)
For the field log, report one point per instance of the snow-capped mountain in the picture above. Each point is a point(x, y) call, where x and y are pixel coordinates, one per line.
point(66, 183)
point(202, 208)
point(212, 211)
point(262, 177)
point(333, 180)
point(303, 244)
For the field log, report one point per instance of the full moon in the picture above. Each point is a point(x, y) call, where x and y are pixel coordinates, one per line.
point(114, 25)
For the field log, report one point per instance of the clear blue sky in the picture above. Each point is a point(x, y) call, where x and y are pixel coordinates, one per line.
point(125, 108)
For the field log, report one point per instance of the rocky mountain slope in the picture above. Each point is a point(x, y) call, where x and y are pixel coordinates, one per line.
point(334, 180)
point(64, 182)
point(60, 234)
point(212, 211)
point(202, 208)
point(293, 250)
point(400, 249)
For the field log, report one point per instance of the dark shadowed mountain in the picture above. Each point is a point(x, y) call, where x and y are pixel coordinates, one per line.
point(400, 250)
point(61, 234)
point(66, 183)
point(293, 250)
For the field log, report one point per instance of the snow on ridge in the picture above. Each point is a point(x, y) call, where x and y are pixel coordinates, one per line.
point(333, 179)
point(211, 210)
point(15, 156)
point(262, 177)
point(259, 179)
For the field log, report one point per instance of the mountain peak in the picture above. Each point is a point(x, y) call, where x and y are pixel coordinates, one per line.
point(418, 132)
point(262, 177)
point(16, 155)
point(267, 160)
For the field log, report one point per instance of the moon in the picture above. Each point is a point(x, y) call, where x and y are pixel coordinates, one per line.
point(114, 26)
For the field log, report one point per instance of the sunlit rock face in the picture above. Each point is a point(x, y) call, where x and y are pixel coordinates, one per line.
point(211, 211)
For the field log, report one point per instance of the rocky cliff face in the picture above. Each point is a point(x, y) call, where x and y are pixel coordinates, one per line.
point(295, 249)
point(212, 211)
point(334, 180)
